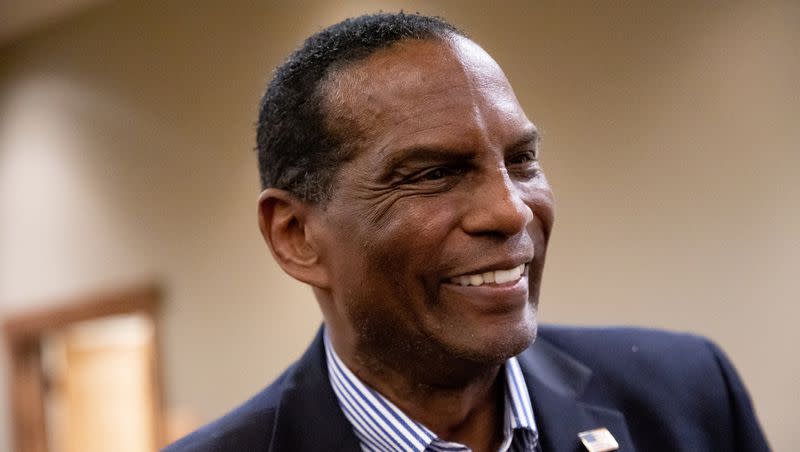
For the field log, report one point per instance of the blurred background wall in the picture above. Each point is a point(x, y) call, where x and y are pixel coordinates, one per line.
point(671, 131)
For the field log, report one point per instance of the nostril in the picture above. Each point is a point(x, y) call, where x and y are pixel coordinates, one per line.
point(503, 214)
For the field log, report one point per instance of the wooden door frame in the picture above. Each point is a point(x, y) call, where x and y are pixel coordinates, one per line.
point(24, 333)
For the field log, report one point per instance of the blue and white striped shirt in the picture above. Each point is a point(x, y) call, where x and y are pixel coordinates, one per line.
point(381, 426)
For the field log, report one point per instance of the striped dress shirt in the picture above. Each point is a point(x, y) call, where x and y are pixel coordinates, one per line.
point(382, 427)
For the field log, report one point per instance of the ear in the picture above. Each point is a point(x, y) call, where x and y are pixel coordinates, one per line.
point(284, 222)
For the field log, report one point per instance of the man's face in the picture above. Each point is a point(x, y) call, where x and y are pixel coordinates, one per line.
point(436, 231)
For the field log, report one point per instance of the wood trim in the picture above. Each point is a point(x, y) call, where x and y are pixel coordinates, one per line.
point(27, 398)
point(23, 336)
point(35, 323)
point(159, 415)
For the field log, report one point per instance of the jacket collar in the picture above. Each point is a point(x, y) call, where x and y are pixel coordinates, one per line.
point(308, 416)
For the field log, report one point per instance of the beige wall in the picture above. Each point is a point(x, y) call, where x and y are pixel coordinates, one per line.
point(670, 138)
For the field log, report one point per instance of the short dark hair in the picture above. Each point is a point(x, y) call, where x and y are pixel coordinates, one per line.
point(296, 150)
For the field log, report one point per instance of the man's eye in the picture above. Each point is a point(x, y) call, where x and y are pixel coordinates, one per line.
point(523, 158)
point(434, 174)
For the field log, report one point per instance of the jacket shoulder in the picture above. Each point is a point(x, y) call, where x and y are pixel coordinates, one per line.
point(674, 368)
point(683, 382)
point(623, 342)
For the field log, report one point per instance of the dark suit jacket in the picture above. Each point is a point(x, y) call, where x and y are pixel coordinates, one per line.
point(655, 391)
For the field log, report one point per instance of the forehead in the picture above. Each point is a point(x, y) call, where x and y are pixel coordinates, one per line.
point(439, 88)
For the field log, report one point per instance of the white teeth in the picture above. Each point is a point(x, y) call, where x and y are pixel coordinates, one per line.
point(504, 276)
point(497, 277)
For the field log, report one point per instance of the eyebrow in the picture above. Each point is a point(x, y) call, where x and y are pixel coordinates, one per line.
point(531, 136)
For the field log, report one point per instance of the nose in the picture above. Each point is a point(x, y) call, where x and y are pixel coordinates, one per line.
point(497, 207)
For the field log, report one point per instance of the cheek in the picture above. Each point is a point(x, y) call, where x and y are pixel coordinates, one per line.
point(403, 255)
point(413, 230)
point(541, 200)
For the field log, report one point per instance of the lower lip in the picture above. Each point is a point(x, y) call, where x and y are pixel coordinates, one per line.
point(493, 297)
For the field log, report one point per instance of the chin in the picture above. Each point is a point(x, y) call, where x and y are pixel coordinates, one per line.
point(496, 344)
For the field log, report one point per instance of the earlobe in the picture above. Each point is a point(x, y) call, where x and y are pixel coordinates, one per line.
point(284, 223)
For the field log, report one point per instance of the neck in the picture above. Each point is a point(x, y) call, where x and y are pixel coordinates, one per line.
point(471, 415)
point(459, 401)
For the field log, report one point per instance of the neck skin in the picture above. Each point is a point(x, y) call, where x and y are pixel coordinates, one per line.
point(469, 409)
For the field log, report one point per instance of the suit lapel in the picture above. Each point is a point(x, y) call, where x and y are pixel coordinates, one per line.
point(309, 417)
point(556, 383)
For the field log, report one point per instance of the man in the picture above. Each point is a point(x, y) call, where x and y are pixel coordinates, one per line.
point(402, 183)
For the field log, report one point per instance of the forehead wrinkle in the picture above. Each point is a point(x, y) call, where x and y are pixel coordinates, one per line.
point(364, 99)
point(422, 111)
point(360, 108)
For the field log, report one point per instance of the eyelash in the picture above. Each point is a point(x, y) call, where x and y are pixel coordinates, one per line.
point(426, 174)
point(530, 157)
point(439, 173)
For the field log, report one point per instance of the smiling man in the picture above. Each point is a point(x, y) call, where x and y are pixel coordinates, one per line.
point(402, 183)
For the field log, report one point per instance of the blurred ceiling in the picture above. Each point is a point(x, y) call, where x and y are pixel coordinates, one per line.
point(20, 17)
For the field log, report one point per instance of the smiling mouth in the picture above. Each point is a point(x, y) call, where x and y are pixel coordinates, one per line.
point(491, 277)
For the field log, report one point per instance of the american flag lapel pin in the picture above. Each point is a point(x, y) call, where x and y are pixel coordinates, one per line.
point(598, 440)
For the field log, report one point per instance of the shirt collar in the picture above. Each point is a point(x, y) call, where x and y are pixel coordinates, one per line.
point(382, 426)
